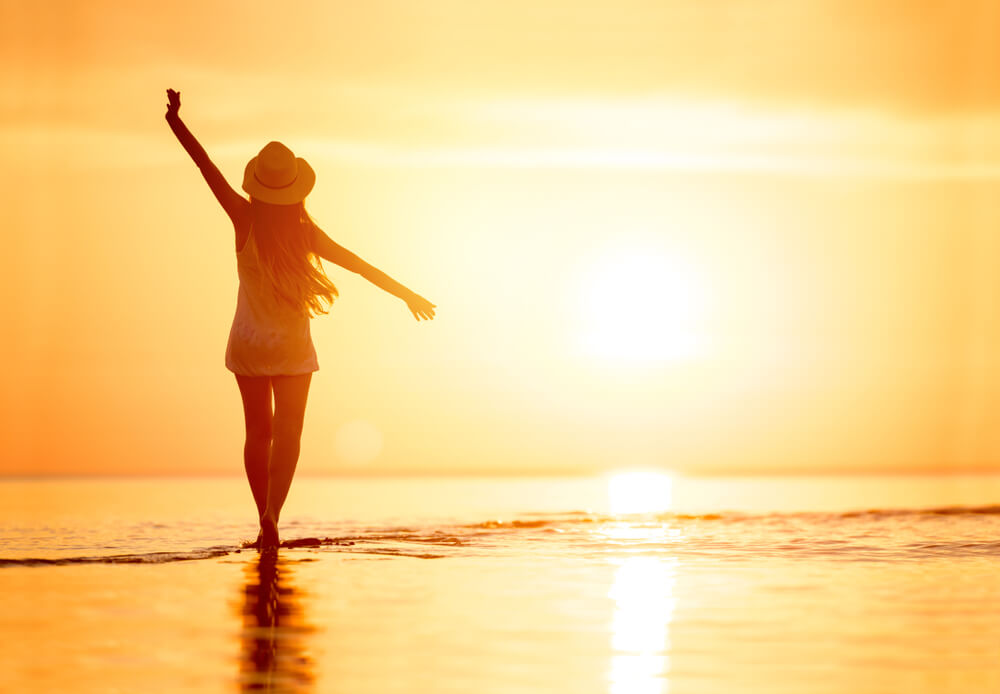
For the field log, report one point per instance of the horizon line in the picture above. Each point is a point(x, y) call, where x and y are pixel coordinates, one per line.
point(507, 473)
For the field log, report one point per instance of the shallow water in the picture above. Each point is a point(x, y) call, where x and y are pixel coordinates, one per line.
point(799, 585)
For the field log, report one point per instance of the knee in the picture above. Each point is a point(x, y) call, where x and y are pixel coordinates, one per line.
point(259, 432)
point(287, 428)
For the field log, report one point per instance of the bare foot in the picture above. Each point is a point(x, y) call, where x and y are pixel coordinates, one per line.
point(268, 534)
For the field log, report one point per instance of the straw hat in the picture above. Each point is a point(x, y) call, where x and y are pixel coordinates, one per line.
point(277, 176)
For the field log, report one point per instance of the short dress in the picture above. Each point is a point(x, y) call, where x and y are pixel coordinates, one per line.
point(268, 337)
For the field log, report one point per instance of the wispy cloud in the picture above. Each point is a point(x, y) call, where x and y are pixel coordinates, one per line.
point(666, 135)
point(638, 135)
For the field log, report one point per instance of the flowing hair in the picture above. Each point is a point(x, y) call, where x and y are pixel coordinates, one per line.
point(283, 237)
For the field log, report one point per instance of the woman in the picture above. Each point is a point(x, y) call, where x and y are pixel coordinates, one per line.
point(282, 285)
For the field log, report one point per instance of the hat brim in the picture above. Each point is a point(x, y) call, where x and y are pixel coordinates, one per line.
point(294, 193)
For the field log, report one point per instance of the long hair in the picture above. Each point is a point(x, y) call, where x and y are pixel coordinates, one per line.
point(283, 235)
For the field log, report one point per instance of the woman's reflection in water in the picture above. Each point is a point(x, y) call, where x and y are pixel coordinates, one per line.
point(273, 654)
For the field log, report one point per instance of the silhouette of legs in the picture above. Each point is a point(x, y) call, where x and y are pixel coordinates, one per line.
point(256, 394)
point(271, 449)
point(290, 394)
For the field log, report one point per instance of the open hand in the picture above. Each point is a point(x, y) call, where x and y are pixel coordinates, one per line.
point(173, 102)
point(420, 307)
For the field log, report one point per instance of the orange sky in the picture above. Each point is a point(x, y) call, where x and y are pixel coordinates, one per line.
point(734, 236)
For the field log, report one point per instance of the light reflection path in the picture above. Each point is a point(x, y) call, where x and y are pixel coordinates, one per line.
point(273, 654)
point(643, 593)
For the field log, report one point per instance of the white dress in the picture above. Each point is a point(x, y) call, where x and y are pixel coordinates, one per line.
point(268, 337)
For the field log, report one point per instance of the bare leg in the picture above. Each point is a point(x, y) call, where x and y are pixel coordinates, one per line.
point(256, 393)
point(290, 394)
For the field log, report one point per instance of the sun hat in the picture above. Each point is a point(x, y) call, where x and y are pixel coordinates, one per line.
point(276, 176)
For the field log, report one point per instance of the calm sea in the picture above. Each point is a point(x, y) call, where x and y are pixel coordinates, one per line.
point(629, 584)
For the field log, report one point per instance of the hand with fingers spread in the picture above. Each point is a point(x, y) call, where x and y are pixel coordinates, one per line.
point(173, 102)
point(420, 307)
point(327, 249)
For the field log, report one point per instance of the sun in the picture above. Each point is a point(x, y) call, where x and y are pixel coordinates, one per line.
point(642, 306)
point(640, 491)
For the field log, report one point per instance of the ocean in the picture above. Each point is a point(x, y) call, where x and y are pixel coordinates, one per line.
point(632, 583)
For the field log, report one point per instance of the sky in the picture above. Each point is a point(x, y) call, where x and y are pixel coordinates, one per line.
point(728, 237)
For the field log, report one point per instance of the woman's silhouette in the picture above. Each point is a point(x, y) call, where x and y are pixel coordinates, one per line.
point(282, 285)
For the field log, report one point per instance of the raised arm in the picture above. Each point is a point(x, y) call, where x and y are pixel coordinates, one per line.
point(232, 202)
point(328, 249)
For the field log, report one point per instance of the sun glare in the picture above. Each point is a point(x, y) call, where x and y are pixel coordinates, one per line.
point(641, 307)
point(640, 492)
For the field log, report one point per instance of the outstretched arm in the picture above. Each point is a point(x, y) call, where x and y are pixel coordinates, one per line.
point(232, 202)
point(327, 249)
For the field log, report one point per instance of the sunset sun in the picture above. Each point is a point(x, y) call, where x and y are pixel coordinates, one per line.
point(640, 491)
point(641, 306)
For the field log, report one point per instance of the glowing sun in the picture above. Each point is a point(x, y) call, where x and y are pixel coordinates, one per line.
point(642, 307)
point(640, 492)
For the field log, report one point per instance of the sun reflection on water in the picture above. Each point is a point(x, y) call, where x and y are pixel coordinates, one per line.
point(643, 592)
point(633, 533)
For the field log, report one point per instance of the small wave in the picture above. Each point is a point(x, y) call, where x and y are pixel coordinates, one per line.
point(537, 523)
point(437, 538)
point(312, 542)
point(990, 510)
point(955, 549)
point(146, 558)
point(351, 545)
